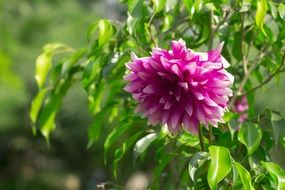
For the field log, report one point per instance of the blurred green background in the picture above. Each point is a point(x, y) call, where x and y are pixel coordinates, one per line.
point(25, 160)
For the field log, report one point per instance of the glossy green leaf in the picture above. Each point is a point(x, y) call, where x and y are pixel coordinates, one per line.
point(36, 104)
point(220, 165)
point(136, 8)
point(260, 14)
point(250, 135)
point(44, 61)
point(43, 65)
point(197, 160)
point(158, 5)
point(142, 144)
point(276, 172)
point(106, 31)
point(281, 10)
point(188, 139)
point(244, 176)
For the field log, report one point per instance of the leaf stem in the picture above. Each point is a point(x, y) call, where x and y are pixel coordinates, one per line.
point(210, 134)
point(201, 137)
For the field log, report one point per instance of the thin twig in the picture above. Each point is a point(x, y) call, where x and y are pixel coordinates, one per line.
point(270, 77)
point(212, 30)
point(244, 58)
point(210, 134)
point(215, 29)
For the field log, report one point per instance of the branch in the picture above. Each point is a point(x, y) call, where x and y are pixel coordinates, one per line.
point(270, 77)
point(246, 77)
point(215, 29)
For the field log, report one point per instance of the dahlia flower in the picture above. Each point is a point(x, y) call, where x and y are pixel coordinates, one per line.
point(241, 107)
point(180, 87)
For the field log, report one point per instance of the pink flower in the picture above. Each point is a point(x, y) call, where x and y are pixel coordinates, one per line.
point(180, 87)
point(241, 107)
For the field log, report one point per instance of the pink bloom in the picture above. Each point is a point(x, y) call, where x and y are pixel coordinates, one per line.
point(241, 107)
point(180, 87)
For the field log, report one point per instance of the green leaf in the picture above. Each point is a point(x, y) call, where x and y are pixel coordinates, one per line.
point(94, 130)
point(188, 139)
point(250, 135)
point(170, 4)
point(281, 10)
point(244, 176)
point(44, 61)
point(49, 110)
point(43, 65)
point(278, 129)
point(124, 126)
point(158, 5)
point(277, 173)
point(197, 160)
point(220, 165)
point(36, 104)
point(162, 163)
point(144, 142)
point(260, 14)
point(168, 20)
point(72, 60)
point(189, 4)
point(273, 9)
point(136, 8)
point(91, 30)
point(106, 31)
point(121, 151)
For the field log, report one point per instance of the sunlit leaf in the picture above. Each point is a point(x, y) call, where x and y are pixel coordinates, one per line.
point(260, 14)
point(220, 165)
point(142, 144)
point(44, 61)
point(276, 172)
point(244, 176)
point(159, 5)
point(43, 65)
point(106, 31)
point(281, 10)
point(36, 104)
point(136, 8)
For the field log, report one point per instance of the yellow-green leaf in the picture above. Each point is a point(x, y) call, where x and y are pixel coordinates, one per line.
point(260, 14)
point(158, 5)
point(220, 165)
point(244, 176)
